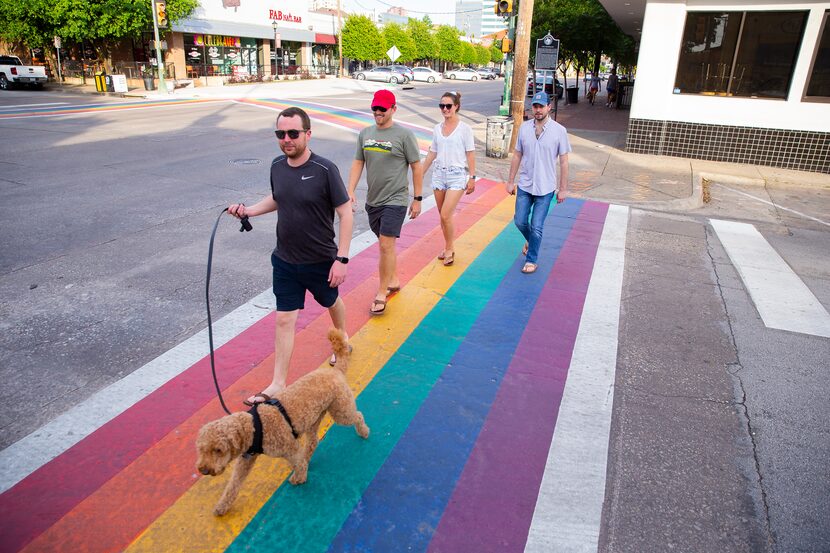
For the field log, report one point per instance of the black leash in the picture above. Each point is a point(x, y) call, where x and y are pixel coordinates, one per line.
point(246, 227)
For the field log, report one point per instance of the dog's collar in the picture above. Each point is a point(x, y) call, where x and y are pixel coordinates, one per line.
point(256, 447)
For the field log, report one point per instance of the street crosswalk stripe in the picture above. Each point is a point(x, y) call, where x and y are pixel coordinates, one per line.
point(782, 299)
point(569, 505)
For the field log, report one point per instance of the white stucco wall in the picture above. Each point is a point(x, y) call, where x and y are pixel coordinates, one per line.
point(662, 33)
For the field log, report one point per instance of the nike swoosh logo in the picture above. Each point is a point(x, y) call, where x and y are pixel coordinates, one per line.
point(306, 178)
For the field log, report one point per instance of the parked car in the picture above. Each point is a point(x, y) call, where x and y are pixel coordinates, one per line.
point(550, 85)
point(426, 74)
point(382, 74)
point(13, 72)
point(487, 73)
point(406, 71)
point(462, 74)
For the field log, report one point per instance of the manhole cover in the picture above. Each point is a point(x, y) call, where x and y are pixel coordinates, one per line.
point(250, 161)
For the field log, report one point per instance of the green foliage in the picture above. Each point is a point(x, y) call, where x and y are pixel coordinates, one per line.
point(395, 35)
point(482, 55)
point(421, 34)
point(468, 53)
point(496, 55)
point(361, 39)
point(448, 45)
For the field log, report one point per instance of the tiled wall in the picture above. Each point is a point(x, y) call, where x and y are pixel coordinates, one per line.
point(801, 150)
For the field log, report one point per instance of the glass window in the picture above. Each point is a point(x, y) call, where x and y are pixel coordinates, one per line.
point(819, 82)
point(739, 53)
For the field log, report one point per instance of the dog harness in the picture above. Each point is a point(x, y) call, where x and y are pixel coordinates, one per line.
point(256, 447)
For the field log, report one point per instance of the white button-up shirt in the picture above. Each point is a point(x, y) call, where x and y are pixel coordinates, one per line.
point(537, 172)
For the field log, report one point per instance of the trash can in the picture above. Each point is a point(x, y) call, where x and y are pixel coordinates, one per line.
point(625, 95)
point(573, 94)
point(499, 132)
point(149, 82)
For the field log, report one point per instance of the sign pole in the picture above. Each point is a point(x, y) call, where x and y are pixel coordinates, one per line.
point(159, 59)
point(58, 48)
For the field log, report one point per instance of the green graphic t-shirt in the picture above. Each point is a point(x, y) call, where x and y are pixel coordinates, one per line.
point(387, 154)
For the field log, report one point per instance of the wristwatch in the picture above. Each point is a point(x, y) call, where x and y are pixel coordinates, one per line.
point(343, 260)
point(473, 177)
point(418, 198)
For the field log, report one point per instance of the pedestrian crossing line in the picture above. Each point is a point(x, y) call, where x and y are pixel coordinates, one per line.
point(569, 506)
point(782, 299)
point(103, 511)
point(374, 344)
point(97, 108)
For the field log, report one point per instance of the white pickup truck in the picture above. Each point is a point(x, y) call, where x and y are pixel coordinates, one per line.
point(13, 72)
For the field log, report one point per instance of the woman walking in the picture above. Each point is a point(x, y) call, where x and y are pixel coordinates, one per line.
point(453, 151)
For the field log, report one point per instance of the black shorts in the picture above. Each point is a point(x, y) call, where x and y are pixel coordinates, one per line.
point(386, 220)
point(291, 282)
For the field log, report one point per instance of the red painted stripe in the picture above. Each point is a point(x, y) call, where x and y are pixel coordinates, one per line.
point(136, 497)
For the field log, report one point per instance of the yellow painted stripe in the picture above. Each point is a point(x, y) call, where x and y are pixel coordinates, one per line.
point(189, 524)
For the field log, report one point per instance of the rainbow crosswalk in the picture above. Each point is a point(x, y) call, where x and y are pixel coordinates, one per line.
point(460, 381)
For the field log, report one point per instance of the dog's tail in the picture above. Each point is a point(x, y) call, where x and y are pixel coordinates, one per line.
point(342, 349)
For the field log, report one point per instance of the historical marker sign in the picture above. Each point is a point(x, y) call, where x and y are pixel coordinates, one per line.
point(547, 53)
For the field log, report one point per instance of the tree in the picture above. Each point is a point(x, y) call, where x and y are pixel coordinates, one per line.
point(395, 35)
point(448, 46)
point(496, 55)
point(103, 23)
point(482, 55)
point(468, 54)
point(421, 34)
point(361, 39)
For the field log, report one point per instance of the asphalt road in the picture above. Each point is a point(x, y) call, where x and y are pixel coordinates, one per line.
point(719, 437)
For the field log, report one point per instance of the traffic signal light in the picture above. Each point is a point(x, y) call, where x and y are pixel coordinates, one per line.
point(506, 45)
point(161, 13)
point(504, 7)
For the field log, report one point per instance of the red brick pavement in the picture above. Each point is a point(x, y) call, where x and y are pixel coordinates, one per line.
point(584, 116)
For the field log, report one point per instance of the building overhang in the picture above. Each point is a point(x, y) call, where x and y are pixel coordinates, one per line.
point(627, 14)
point(247, 30)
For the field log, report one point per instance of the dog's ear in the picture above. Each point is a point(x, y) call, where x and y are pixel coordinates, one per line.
point(238, 433)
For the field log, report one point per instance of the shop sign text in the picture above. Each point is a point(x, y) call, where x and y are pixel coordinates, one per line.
point(279, 15)
point(217, 40)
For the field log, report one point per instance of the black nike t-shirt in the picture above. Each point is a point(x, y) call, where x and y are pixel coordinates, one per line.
point(306, 198)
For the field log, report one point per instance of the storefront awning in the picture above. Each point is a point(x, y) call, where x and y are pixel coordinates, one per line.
point(324, 39)
point(242, 30)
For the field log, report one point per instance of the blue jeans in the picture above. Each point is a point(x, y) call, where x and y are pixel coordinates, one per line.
point(531, 224)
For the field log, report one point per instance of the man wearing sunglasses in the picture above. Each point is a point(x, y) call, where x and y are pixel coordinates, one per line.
point(306, 190)
point(388, 151)
point(541, 143)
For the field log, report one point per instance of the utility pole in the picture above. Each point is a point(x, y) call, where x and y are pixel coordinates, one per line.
point(340, 37)
point(521, 57)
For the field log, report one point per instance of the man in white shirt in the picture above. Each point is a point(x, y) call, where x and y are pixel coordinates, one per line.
point(541, 142)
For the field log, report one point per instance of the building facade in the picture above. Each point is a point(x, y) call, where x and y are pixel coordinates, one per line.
point(490, 22)
point(743, 81)
point(468, 17)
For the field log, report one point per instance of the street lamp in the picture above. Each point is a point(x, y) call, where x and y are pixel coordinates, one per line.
point(276, 59)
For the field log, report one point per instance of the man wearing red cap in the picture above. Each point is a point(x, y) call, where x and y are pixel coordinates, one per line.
point(386, 150)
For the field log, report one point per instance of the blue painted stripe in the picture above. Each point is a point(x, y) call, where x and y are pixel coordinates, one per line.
point(306, 518)
point(405, 501)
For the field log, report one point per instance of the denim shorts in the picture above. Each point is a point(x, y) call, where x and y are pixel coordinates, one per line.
point(292, 280)
point(450, 178)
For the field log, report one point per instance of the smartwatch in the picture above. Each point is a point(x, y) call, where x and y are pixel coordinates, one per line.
point(343, 260)
point(418, 198)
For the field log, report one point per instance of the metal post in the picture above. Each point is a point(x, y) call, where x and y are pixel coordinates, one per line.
point(340, 36)
point(504, 109)
point(276, 61)
point(58, 48)
point(159, 59)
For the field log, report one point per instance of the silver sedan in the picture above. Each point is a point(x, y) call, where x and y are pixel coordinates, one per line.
point(382, 74)
point(426, 74)
point(463, 74)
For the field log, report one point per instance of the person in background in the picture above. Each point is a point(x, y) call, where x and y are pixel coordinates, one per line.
point(611, 88)
point(541, 143)
point(453, 151)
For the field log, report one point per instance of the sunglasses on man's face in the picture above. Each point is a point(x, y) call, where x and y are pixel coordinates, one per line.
point(379, 108)
point(293, 134)
point(445, 106)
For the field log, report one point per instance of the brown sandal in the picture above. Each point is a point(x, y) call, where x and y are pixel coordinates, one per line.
point(442, 255)
point(378, 302)
point(449, 259)
point(265, 397)
point(529, 268)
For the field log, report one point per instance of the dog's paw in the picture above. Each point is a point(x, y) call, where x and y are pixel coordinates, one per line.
point(362, 431)
point(296, 479)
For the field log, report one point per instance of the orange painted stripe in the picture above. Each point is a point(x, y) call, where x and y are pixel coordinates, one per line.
point(110, 518)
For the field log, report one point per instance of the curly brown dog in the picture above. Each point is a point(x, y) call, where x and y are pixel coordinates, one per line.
point(306, 401)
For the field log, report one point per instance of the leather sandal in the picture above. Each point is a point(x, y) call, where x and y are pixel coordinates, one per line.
point(449, 259)
point(378, 302)
point(265, 397)
point(529, 268)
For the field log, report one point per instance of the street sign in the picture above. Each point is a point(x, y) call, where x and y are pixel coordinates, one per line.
point(393, 53)
point(547, 53)
point(57, 42)
point(278, 42)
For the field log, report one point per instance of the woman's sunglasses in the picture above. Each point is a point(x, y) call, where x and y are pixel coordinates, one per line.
point(445, 106)
point(293, 134)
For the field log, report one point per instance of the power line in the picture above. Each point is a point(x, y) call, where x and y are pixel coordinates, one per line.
point(429, 12)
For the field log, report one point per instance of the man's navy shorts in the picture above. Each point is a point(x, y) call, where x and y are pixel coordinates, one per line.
point(291, 282)
point(386, 220)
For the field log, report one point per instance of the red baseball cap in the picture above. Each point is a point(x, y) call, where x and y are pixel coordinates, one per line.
point(383, 98)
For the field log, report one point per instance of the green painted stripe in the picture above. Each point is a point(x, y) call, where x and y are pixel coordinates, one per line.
point(306, 518)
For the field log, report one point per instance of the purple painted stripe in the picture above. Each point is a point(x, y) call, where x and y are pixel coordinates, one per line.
point(492, 505)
